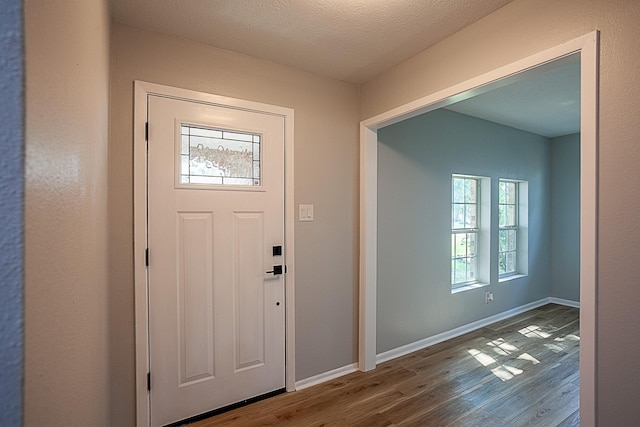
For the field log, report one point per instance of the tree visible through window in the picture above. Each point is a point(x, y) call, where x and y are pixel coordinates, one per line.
point(508, 227)
point(465, 198)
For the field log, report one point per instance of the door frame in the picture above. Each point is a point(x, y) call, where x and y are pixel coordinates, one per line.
point(142, 90)
point(588, 47)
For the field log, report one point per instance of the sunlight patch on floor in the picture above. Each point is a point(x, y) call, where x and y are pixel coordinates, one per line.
point(555, 348)
point(505, 373)
point(572, 337)
point(534, 331)
point(481, 357)
point(528, 357)
point(500, 350)
point(502, 347)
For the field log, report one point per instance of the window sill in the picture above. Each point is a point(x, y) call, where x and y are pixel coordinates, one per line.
point(468, 287)
point(512, 277)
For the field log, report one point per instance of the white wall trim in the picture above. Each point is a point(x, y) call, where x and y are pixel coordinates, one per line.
point(326, 376)
point(141, 92)
point(456, 332)
point(588, 48)
point(567, 302)
point(429, 341)
point(143, 416)
point(368, 247)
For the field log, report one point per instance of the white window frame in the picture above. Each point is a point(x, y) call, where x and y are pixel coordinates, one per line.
point(511, 227)
point(522, 232)
point(468, 231)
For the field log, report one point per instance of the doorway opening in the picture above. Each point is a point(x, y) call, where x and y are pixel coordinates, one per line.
point(587, 48)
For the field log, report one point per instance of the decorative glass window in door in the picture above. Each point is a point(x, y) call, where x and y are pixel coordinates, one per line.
point(219, 157)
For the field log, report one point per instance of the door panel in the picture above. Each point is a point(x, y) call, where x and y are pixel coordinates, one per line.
point(215, 207)
point(195, 287)
point(248, 284)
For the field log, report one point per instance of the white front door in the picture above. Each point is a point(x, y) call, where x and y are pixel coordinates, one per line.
point(215, 223)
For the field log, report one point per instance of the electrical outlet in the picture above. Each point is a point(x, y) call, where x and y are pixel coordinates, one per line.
point(488, 297)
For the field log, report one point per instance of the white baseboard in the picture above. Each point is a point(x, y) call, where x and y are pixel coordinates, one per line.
point(435, 339)
point(567, 302)
point(429, 341)
point(326, 376)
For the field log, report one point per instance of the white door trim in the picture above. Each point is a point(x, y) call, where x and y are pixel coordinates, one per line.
point(587, 46)
point(142, 91)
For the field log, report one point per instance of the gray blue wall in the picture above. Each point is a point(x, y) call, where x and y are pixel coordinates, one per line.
point(11, 212)
point(415, 163)
point(565, 217)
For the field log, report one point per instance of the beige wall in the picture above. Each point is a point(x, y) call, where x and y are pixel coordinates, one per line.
point(525, 27)
point(67, 80)
point(326, 170)
point(79, 345)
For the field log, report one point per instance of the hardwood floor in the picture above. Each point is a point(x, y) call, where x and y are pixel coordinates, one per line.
point(520, 371)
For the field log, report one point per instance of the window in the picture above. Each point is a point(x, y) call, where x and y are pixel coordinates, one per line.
point(508, 228)
point(465, 201)
point(218, 157)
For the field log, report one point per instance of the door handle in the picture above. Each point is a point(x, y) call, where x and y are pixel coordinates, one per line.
point(277, 269)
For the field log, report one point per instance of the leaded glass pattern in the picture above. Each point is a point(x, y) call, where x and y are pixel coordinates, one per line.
point(219, 157)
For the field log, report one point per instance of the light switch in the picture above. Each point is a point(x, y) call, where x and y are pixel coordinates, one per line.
point(305, 212)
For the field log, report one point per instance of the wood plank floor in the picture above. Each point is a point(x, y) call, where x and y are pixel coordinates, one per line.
point(520, 371)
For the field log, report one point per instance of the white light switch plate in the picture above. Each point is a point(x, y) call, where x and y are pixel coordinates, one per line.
point(305, 212)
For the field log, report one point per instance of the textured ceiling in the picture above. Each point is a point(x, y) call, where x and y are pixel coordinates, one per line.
point(350, 40)
point(355, 40)
point(545, 103)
